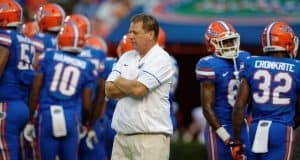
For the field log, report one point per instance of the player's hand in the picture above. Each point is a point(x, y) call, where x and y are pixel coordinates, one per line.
point(82, 131)
point(237, 151)
point(224, 135)
point(29, 132)
point(91, 139)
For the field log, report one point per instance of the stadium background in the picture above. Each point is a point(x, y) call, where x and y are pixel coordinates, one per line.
point(185, 22)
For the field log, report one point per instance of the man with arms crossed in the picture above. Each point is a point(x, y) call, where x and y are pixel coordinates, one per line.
point(141, 81)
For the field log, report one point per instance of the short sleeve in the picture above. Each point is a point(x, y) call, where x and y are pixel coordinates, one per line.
point(5, 40)
point(204, 70)
point(156, 72)
point(42, 62)
point(89, 77)
point(38, 44)
point(115, 72)
point(245, 67)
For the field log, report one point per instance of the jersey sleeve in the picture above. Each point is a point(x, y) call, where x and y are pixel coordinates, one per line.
point(38, 44)
point(245, 68)
point(90, 77)
point(108, 68)
point(5, 39)
point(156, 72)
point(204, 70)
point(43, 61)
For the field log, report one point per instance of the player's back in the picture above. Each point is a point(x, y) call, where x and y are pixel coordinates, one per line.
point(65, 77)
point(95, 56)
point(44, 41)
point(220, 72)
point(275, 83)
point(18, 73)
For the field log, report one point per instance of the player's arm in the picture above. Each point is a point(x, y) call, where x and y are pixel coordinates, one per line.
point(99, 106)
point(35, 93)
point(131, 87)
point(86, 104)
point(4, 53)
point(239, 108)
point(207, 93)
point(36, 59)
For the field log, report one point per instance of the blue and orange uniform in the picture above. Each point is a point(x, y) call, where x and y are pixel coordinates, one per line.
point(14, 90)
point(97, 57)
point(220, 71)
point(275, 84)
point(65, 76)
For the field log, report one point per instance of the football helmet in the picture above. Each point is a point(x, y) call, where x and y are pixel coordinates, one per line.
point(50, 17)
point(222, 39)
point(11, 14)
point(81, 21)
point(30, 28)
point(70, 38)
point(125, 44)
point(279, 36)
point(161, 38)
point(97, 43)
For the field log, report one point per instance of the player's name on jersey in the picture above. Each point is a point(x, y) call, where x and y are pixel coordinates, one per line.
point(274, 65)
point(70, 60)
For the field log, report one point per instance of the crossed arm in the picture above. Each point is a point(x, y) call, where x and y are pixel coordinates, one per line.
point(122, 87)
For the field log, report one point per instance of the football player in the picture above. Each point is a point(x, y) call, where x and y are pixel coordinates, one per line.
point(219, 78)
point(272, 82)
point(50, 18)
point(16, 74)
point(62, 79)
point(92, 146)
point(29, 149)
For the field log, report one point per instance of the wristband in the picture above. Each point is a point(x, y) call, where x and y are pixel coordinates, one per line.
point(223, 134)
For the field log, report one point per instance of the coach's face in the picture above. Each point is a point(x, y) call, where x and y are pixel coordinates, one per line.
point(139, 38)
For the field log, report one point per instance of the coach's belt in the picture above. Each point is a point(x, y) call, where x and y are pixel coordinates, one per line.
point(148, 133)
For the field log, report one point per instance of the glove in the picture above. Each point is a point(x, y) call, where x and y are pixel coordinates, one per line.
point(237, 151)
point(29, 132)
point(82, 131)
point(224, 135)
point(91, 139)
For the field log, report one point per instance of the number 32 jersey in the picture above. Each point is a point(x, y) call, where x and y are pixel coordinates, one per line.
point(220, 72)
point(65, 77)
point(274, 84)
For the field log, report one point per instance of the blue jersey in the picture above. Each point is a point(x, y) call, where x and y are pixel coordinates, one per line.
point(97, 57)
point(44, 41)
point(220, 72)
point(65, 76)
point(111, 103)
point(18, 73)
point(274, 84)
